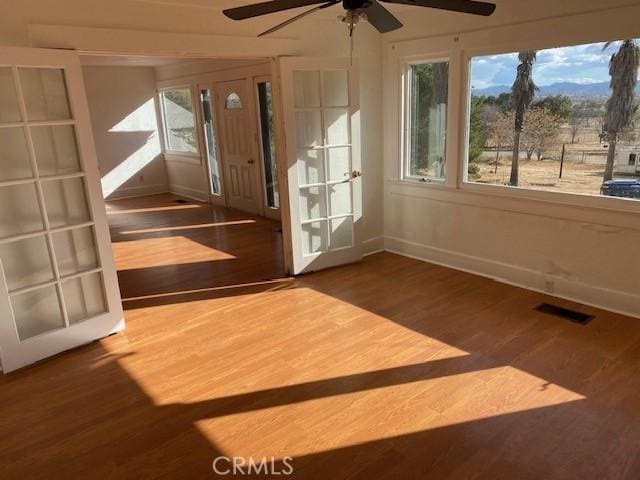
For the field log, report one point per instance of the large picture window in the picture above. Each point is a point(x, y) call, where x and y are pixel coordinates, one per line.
point(425, 108)
point(179, 120)
point(560, 119)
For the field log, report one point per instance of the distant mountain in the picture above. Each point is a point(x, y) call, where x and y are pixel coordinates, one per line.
point(573, 90)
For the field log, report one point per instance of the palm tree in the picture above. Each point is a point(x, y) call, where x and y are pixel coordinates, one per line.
point(522, 93)
point(620, 108)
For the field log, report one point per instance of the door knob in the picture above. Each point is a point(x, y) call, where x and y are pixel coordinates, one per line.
point(356, 174)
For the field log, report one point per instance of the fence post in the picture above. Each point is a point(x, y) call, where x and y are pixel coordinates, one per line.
point(561, 161)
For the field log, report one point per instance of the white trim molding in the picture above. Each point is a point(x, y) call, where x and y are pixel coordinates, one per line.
point(615, 301)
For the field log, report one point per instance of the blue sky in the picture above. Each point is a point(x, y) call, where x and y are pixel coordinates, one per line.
point(579, 64)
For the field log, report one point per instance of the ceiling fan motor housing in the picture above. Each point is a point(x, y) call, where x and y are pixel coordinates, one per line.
point(355, 4)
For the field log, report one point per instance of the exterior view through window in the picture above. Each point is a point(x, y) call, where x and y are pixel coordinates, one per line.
point(268, 144)
point(567, 116)
point(179, 121)
point(210, 137)
point(426, 120)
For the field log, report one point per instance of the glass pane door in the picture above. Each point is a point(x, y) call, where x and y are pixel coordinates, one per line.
point(50, 262)
point(268, 144)
point(323, 153)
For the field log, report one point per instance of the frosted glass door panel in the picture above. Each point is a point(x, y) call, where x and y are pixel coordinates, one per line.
point(84, 297)
point(14, 156)
point(309, 129)
point(335, 88)
point(313, 203)
point(338, 163)
point(341, 233)
point(26, 262)
point(310, 166)
point(314, 237)
point(306, 89)
point(337, 126)
point(45, 93)
point(340, 199)
point(9, 106)
point(55, 149)
point(19, 210)
point(37, 311)
point(66, 202)
point(75, 250)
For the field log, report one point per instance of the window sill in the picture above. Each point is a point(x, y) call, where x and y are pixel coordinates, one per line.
point(182, 157)
point(415, 182)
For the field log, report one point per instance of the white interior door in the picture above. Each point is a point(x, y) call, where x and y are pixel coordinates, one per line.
point(58, 285)
point(322, 127)
point(241, 170)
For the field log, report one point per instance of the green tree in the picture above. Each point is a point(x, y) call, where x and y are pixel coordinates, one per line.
point(621, 107)
point(477, 130)
point(523, 91)
point(559, 105)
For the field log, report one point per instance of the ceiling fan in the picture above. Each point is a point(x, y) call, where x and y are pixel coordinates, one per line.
point(356, 10)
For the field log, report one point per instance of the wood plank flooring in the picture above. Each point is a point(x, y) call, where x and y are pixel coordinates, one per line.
point(387, 369)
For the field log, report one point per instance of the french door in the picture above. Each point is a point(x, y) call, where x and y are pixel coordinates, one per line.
point(58, 285)
point(322, 123)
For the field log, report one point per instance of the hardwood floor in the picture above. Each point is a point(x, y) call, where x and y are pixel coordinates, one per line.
point(387, 369)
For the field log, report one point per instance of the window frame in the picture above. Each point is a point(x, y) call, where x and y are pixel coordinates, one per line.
point(406, 64)
point(571, 199)
point(165, 130)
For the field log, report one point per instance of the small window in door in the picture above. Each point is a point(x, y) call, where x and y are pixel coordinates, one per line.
point(233, 101)
point(268, 144)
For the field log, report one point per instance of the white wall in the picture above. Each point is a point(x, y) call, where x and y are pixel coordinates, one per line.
point(575, 248)
point(124, 122)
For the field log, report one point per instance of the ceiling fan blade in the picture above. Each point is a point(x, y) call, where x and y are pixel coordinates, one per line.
point(464, 6)
point(381, 18)
point(298, 17)
point(257, 9)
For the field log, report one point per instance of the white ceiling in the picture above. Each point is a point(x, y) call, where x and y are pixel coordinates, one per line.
point(132, 61)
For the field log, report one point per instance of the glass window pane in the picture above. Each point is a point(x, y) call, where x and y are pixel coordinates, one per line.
point(45, 93)
point(427, 122)
point(26, 262)
point(312, 203)
point(267, 135)
point(56, 149)
point(14, 156)
point(336, 123)
point(66, 202)
point(75, 250)
point(314, 237)
point(335, 88)
point(179, 121)
point(561, 136)
point(340, 198)
point(306, 89)
point(233, 101)
point(9, 107)
point(84, 297)
point(339, 163)
point(37, 311)
point(19, 210)
point(210, 137)
point(308, 129)
point(310, 166)
point(341, 232)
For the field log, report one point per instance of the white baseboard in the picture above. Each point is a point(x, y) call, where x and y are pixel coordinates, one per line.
point(614, 301)
point(373, 245)
point(140, 191)
point(191, 193)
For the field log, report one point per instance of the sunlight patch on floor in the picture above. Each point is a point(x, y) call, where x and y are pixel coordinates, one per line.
point(148, 249)
point(186, 227)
